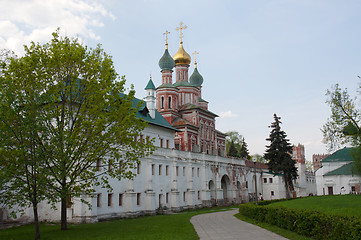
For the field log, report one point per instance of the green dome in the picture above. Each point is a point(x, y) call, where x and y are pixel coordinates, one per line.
point(196, 79)
point(166, 62)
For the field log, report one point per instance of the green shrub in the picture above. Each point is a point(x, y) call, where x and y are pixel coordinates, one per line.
point(305, 222)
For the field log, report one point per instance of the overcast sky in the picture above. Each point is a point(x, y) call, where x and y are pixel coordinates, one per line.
point(257, 58)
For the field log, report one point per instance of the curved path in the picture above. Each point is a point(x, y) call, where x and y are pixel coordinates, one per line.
point(223, 225)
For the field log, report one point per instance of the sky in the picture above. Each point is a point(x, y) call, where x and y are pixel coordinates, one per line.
point(257, 58)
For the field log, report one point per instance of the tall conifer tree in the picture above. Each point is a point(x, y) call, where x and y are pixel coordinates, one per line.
point(232, 152)
point(279, 154)
point(243, 152)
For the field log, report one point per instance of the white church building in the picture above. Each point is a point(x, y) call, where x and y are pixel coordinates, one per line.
point(335, 175)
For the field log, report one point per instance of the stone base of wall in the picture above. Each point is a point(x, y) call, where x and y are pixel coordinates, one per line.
point(114, 216)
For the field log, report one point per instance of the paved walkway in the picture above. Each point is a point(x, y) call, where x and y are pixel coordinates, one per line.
point(223, 225)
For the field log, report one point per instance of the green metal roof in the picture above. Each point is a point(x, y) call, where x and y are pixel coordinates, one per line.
point(183, 84)
point(142, 112)
point(342, 155)
point(275, 174)
point(166, 86)
point(150, 85)
point(344, 170)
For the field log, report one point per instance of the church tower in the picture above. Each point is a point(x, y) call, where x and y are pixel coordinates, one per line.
point(167, 94)
point(181, 103)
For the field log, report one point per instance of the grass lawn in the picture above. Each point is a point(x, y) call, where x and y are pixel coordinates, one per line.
point(280, 231)
point(346, 205)
point(176, 226)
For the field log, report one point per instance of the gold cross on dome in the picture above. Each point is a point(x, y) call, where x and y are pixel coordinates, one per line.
point(180, 30)
point(195, 56)
point(166, 36)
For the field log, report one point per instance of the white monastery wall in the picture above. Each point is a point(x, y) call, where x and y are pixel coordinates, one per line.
point(170, 180)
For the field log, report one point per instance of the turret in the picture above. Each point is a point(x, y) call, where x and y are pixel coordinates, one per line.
point(150, 98)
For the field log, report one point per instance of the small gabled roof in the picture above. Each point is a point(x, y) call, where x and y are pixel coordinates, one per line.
point(342, 155)
point(344, 170)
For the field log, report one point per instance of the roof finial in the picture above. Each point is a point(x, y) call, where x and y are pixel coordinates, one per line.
point(195, 58)
point(180, 31)
point(150, 76)
point(166, 38)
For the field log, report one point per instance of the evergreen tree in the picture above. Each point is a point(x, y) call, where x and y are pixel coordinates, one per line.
point(232, 152)
point(243, 152)
point(239, 144)
point(279, 154)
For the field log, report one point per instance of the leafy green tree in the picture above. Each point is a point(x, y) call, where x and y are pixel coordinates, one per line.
point(22, 172)
point(232, 152)
point(279, 154)
point(239, 143)
point(309, 166)
point(343, 126)
point(258, 158)
point(236, 138)
point(77, 118)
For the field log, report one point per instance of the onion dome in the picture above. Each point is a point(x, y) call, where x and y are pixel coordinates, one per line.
point(196, 78)
point(166, 62)
point(182, 57)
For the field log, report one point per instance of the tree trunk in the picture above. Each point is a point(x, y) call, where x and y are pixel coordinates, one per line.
point(64, 225)
point(36, 221)
point(286, 186)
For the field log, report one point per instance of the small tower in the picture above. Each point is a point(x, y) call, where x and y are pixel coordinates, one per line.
point(150, 98)
point(167, 94)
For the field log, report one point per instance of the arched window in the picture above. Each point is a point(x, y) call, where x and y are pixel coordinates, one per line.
point(162, 102)
point(169, 102)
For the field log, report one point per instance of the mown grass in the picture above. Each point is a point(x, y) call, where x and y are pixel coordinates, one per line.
point(341, 205)
point(176, 226)
point(280, 231)
point(344, 205)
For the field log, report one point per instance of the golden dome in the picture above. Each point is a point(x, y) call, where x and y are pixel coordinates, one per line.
point(182, 57)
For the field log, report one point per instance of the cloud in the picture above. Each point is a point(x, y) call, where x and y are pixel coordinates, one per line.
point(22, 21)
point(228, 114)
